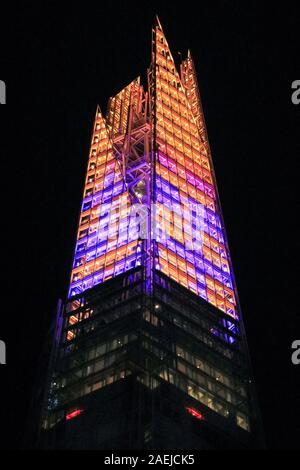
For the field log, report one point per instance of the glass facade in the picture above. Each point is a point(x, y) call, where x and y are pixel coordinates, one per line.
point(189, 237)
point(151, 320)
point(107, 240)
point(191, 243)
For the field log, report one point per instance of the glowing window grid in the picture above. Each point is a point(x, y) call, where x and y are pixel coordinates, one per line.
point(107, 245)
point(184, 177)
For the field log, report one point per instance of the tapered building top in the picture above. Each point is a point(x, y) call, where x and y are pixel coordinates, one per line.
point(152, 332)
point(195, 254)
point(189, 244)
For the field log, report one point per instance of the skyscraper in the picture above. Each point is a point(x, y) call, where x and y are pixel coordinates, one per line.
point(150, 349)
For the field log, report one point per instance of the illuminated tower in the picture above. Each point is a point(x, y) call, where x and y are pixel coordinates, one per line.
point(150, 350)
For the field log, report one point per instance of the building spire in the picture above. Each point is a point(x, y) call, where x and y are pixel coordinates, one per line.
point(158, 23)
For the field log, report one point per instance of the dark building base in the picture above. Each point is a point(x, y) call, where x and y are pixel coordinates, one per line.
point(128, 415)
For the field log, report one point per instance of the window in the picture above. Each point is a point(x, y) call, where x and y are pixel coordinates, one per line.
point(242, 421)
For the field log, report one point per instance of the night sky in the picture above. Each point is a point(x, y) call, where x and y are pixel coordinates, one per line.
point(58, 65)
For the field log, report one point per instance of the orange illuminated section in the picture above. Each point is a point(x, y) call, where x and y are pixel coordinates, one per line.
point(118, 108)
point(185, 180)
point(152, 147)
point(106, 245)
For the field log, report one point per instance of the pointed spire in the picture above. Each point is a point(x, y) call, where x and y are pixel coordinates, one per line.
point(99, 126)
point(98, 110)
point(99, 118)
point(190, 82)
point(162, 46)
point(158, 23)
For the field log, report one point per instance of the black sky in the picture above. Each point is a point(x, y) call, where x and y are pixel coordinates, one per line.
point(58, 65)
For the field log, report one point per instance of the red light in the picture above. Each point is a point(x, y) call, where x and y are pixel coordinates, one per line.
point(194, 412)
point(73, 414)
